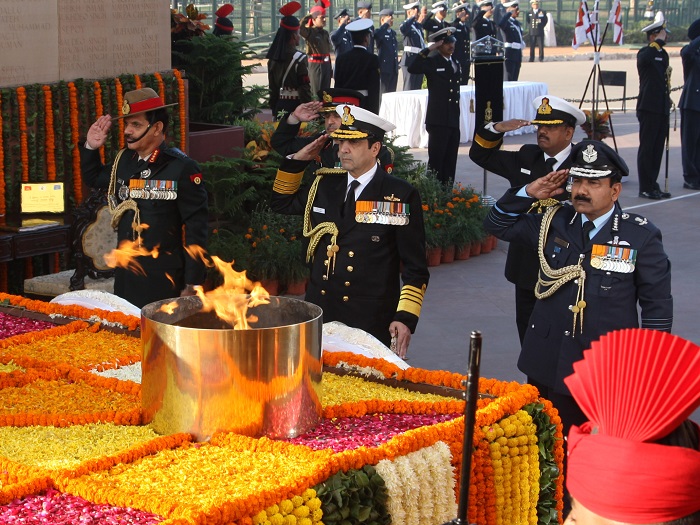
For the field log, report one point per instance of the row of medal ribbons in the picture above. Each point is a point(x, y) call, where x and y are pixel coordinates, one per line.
point(612, 258)
point(382, 212)
point(151, 189)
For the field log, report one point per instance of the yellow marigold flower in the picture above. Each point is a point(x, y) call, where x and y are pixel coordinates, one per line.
point(277, 519)
point(304, 521)
point(297, 501)
point(271, 511)
point(302, 511)
point(260, 518)
point(290, 519)
point(316, 515)
point(308, 494)
point(314, 504)
point(286, 506)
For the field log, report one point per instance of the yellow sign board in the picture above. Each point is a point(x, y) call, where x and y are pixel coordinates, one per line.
point(44, 197)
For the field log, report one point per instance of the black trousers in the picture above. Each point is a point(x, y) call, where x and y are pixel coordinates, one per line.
point(524, 305)
point(443, 148)
point(653, 128)
point(512, 69)
point(388, 82)
point(536, 40)
point(690, 139)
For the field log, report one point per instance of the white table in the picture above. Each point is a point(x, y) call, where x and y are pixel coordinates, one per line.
point(406, 109)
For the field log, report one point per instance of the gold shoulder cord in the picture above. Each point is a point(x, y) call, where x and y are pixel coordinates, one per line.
point(117, 210)
point(555, 279)
point(543, 203)
point(319, 231)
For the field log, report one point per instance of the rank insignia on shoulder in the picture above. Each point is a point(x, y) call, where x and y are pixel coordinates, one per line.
point(641, 220)
point(196, 178)
point(154, 156)
point(389, 168)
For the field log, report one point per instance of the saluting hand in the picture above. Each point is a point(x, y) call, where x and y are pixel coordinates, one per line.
point(307, 112)
point(312, 149)
point(548, 186)
point(97, 134)
point(510, 125)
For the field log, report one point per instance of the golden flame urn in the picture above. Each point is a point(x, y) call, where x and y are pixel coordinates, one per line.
point(200, 376)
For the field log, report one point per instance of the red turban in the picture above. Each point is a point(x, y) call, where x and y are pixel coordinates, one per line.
point(635, 386)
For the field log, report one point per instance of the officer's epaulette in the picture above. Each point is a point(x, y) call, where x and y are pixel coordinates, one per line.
point(331, 171)
point(655, 46)
point(175, 152)
point(634, 219)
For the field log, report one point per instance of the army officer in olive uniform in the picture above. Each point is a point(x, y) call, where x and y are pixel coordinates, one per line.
point(156, 196)
point(364, 230)
point(442, 115)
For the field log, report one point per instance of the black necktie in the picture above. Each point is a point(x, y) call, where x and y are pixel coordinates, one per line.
point(550, 162)
point(349, 204)
point(588, 227)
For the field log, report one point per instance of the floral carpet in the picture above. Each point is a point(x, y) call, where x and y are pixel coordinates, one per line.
point(74, 449)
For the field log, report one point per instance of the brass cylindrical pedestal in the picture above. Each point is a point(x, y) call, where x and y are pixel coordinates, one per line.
point(200, 376)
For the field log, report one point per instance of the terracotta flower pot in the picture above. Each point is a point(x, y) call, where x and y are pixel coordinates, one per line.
point(434, 255)
point(448, 254)
point(475, 249)
point(486, 245)
point(462, 252)
point(297, 288)
point(272, 286)
point(494, 242)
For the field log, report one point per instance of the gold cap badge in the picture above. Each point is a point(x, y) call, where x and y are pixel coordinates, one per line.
point(545, 108)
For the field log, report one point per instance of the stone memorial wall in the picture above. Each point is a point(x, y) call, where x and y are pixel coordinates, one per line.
point(45, 41)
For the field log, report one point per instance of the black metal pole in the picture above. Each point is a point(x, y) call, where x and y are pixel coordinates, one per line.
point(469, 421)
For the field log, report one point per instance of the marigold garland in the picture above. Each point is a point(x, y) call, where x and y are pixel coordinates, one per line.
point(24, 148)
point(74, 138)
point(99, 111)
point(161, 85)
point(17, 481)
point(50, 140)
point(137, 81)
point(181, 107)
point(120, 102)
point(129, 322)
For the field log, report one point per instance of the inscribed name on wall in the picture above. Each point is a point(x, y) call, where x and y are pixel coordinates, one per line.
point(50, 40)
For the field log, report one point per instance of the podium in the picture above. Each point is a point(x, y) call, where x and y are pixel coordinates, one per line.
point(488, 57)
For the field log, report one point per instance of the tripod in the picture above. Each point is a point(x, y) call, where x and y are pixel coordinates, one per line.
point(597, 78)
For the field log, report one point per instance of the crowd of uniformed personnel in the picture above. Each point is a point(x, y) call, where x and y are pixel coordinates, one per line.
point(357, 40)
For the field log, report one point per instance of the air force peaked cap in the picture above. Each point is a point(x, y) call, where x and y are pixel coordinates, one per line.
point(361, 24)
point(593, 159)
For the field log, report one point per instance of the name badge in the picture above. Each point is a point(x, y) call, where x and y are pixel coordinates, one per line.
point(525, 171)
point(319, 210)
point(440, 69)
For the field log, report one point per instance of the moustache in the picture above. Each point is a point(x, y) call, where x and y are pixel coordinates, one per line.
point(582, 198)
